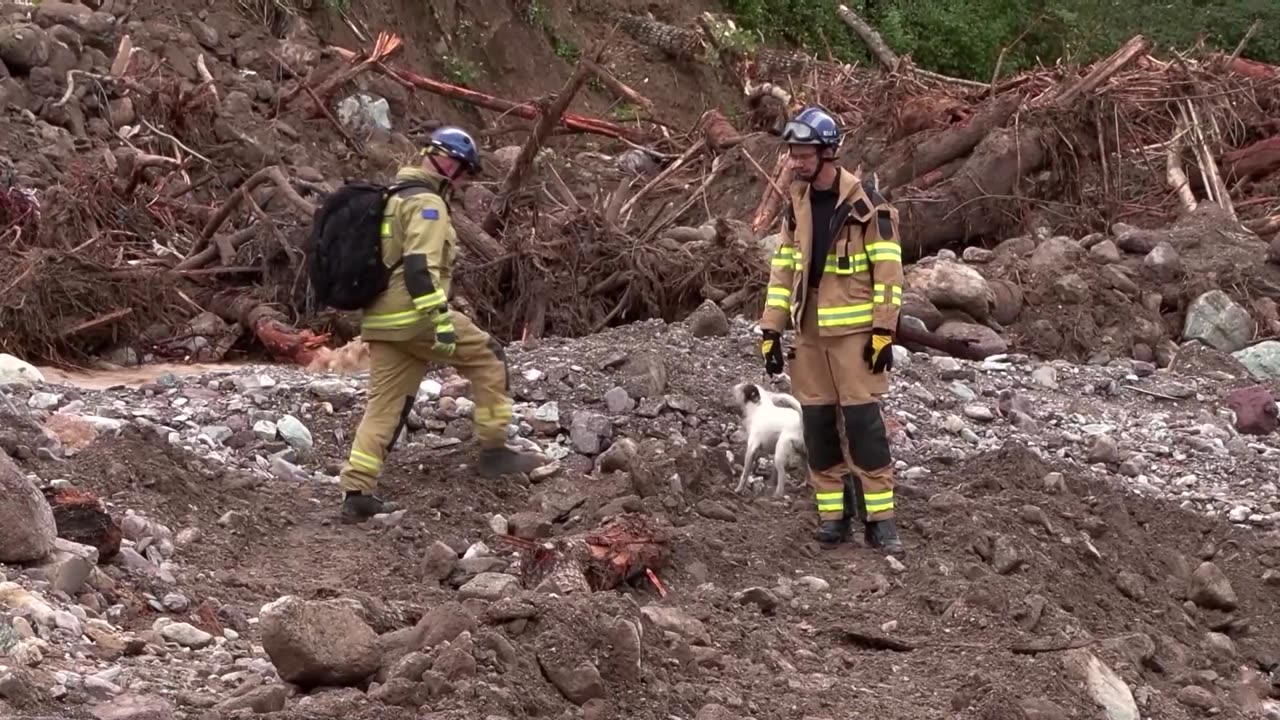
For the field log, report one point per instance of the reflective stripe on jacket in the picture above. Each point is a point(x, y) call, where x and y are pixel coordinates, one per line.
point(418, 232)
point(862, 279)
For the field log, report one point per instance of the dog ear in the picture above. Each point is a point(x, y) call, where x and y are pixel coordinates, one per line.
point(751, 393)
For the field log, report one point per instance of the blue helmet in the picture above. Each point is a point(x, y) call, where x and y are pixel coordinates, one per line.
point(457, 144)
point(813, 126)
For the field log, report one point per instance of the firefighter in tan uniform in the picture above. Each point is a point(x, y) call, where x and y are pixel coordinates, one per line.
point(410, 325)
point(837, 278)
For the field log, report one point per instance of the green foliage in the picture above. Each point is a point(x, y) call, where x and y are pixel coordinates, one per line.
point(460, 71)
point(965, 37)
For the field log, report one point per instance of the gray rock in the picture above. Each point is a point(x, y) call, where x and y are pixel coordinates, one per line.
point(675, 620)
point(618, 401)
point(134, 707)
point(489, 586)
point(44, 401)
point(24, 47)
point(1210, 588)
point(974, 254)
point(1261, 360)
point(619, 456)
point(316, 644)
point(1056, 254)
point(260, 700)
point(186, 635)
point(1105, 252)
point(18, 372)
point(1217, 321)
point(27, 528)
point(1103, 685)
point(958, 286)
point(295, 433)
point(1163, 262)
point(645, 375)
point(1045, 376)
point(590, 432)
point(708, 321)
point(265, 430)
point(578, 683)
point(438, 561)
point(217, 433)
point(1071, 289)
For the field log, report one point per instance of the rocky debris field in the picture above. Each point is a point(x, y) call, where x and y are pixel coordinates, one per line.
point(1084, 541)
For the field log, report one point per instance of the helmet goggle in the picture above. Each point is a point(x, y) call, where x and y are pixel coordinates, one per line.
point(800, 133)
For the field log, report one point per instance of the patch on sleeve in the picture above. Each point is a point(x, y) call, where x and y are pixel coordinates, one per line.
point(430, 214)
point(884, 224)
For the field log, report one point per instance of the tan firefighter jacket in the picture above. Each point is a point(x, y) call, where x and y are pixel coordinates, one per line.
point(862, 279)
point(418, 234)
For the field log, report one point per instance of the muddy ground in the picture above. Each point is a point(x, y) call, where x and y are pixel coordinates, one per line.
point(1026, 566)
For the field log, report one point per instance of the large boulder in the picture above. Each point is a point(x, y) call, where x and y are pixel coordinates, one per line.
point(27, 528)
point(314, 644)
point(1261, 360)
point(24, 47)
point(960, 287)
point(1217, 321)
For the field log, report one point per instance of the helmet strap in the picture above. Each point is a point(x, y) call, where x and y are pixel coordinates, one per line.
point(440, 171)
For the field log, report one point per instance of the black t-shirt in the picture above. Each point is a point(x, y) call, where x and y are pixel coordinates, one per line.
point(822, 205)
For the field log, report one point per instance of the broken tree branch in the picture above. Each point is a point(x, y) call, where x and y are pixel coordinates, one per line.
point(550, 118)
point(887, 57)
point(1101, 72)
point(620, 88)
point(1177, 178)
point(679, 162)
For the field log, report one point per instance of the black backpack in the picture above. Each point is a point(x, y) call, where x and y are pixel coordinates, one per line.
point(344, 253)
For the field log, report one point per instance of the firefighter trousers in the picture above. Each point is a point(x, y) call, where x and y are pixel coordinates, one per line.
point(396, 372)
point(837, 391)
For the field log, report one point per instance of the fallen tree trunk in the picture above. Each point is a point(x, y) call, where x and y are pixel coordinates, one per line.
point(913, 159)
point(1253, 162)
point(914, 336)
point(283, 341)
point(962, 207)
point(528, 111)
point(677, 42)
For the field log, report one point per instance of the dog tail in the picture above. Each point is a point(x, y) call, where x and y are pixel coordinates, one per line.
point(785, 400)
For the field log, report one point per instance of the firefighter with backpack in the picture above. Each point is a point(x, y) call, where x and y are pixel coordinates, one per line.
point(407, 322)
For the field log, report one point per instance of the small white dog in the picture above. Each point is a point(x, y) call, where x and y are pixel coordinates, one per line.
point(773, 424)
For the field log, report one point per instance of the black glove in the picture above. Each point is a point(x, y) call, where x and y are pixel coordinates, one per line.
point(879, 351)
point(771, 349)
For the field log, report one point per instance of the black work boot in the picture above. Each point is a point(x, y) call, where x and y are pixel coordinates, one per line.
point(357, 507)
point(832, 532)
point(883, 535)
point(853, 503)
point(497, 461)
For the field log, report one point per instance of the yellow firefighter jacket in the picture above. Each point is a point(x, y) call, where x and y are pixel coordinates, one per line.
point(861, 286)
point(419, 241)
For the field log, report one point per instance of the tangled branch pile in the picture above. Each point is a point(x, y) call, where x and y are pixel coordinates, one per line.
point(177, 183)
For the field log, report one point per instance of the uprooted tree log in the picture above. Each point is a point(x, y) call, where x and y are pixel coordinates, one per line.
point(622, 550)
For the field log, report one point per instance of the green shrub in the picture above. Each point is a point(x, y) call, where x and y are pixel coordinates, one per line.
point(964, 37)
